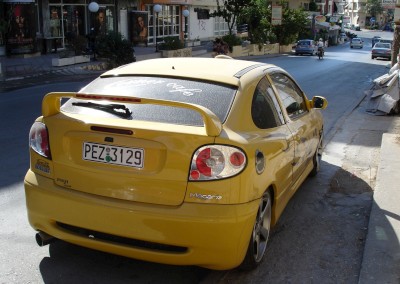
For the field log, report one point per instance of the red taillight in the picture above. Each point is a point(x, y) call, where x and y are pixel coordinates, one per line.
point(237, 159)
point(216, 162)
point(39, 140)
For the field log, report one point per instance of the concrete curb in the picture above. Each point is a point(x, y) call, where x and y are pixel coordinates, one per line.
point(381, 259)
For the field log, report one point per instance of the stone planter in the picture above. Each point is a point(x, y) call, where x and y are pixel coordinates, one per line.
point(239, 51)
point(70, 60)
point(183, 52)
point(285, 48)
point(271, 48)
point(255, 50)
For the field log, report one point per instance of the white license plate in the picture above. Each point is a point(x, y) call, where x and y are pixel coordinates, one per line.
point(123, 156)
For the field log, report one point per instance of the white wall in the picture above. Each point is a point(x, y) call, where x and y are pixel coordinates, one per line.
point(202, 29)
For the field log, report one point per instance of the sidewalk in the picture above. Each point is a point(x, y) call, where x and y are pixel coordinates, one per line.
point(19, 67)
point(381, 258)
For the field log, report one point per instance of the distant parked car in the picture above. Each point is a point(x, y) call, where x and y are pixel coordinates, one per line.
point(388, 27)
point(306, 46)
point(382, 49)
point(386, 41)
point(356, 42)
point(375, 39)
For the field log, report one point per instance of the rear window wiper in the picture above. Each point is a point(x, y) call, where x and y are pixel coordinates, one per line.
point(116, 109)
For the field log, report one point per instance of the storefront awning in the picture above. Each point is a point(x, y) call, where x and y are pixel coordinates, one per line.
point(328, 25)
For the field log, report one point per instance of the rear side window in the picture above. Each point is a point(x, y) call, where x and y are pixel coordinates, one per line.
point(215, 97)
point(264, 108)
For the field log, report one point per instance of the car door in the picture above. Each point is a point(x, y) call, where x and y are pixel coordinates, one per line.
point(298, 119)
point(273, 142)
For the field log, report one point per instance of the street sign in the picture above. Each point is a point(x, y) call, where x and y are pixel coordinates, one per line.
point(276, 18)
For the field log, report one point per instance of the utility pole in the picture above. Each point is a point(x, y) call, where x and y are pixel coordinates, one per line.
point(396, 42)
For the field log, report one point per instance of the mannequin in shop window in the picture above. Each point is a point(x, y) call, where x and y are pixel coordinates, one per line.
point(101, 27)
point(54, 23)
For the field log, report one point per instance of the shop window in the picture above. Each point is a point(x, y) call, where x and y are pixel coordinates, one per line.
point(167, 23)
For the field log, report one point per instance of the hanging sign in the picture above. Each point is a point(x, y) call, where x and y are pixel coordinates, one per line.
point(276, 18)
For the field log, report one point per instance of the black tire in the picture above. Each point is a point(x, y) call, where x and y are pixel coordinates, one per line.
point(260, 234)
point(317, 159)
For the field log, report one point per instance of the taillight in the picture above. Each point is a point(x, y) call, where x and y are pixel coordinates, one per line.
point(39, 139)
point(213, 162)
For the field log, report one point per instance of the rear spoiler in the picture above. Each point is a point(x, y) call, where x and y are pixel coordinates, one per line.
point(52, 101)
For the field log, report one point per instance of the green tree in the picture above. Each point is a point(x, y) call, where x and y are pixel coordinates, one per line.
point(374, 7)
point(294, 22)
point(231, 10)
point(257, 17)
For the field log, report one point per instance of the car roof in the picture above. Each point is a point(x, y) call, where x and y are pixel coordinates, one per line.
point(222, 69)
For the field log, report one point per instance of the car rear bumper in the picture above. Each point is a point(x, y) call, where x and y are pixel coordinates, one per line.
point(308, 51)
point(383, 55)
point(207, 235)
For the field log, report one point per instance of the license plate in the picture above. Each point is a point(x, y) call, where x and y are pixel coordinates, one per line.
point(116, 155)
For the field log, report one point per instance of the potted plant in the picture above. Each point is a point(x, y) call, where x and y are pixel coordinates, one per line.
point(73, 53)
point(174, 47)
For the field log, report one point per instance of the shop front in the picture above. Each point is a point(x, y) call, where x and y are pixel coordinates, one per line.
point(161, 18)
point(20, 28)
point(48, 25)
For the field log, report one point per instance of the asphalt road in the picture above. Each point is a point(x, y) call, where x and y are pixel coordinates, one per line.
point(319, 238)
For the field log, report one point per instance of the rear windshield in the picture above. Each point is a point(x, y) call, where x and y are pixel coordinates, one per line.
point(217, 98)
point(383, 45)
point(304, 43)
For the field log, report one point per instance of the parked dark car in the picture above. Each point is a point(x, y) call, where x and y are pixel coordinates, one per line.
point(388, 27)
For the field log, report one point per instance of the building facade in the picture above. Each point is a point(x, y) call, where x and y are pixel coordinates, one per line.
point(48, 25)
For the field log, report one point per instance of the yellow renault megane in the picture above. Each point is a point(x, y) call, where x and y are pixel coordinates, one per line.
point(185, 161)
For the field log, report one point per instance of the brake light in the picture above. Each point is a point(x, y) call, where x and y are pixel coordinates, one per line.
point(214, 162)
point(39, 139)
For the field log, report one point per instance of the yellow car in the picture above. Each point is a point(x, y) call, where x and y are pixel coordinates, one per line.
point(185, 161)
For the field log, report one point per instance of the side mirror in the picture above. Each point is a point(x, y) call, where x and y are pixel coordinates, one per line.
point(319, 102)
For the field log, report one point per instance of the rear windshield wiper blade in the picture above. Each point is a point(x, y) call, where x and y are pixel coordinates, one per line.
point(116, 109)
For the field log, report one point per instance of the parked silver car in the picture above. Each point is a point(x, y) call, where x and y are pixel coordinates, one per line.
point(356, 42)
point(382, 49)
